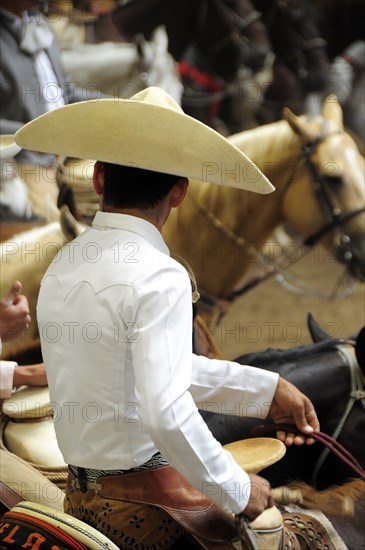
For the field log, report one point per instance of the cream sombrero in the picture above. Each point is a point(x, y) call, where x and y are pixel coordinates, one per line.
point(8, 147)
point(148, 131)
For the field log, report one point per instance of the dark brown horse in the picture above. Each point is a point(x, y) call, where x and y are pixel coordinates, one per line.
point(212, 39)
point(301, 61)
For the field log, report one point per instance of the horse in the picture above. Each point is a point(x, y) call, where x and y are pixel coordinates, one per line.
point(96, 58)
point(220, 46)
point(318, 173)
point(301, 63)
point(332, 376)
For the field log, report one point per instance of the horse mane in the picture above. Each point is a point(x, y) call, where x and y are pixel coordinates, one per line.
point(269, 142)
point(279, 356)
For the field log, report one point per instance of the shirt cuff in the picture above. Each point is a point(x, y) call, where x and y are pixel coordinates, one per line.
point(6, 378)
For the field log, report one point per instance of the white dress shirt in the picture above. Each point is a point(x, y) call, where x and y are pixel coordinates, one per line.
point(115, 320)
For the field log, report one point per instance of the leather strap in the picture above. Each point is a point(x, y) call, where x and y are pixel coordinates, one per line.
point(8, 497)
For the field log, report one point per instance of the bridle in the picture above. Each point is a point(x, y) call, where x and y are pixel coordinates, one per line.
point(236, 25)
point(335, 219)
point(295, 57)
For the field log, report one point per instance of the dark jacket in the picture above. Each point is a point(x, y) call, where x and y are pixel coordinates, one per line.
point(20, 95)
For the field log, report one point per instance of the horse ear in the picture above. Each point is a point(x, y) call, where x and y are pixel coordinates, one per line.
point(332, 110)
point(316, 332)
point(298, 125)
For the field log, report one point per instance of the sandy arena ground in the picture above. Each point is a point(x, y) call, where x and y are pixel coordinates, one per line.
point(271, 316)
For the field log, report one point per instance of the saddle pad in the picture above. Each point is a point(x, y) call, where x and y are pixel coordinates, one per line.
point(44, 526)
point(257, 453)
point(34, 442)
point(28, 403)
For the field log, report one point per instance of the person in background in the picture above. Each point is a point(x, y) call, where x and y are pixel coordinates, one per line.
point(32, 82)
point(347, 80)
point(14, 319)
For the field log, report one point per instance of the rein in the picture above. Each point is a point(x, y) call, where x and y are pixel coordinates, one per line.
point(357, 393)
point(326, 440)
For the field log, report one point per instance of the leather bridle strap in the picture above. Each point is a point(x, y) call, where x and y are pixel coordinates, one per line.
point(321, 437)
point(337, 221)
point(336, 218)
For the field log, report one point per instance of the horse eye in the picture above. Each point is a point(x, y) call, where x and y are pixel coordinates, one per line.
point(333, 180)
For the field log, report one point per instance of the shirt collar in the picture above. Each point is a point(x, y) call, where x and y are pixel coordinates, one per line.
point(111, 220)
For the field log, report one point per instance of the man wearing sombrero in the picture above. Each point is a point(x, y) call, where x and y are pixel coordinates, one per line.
point(115, 322)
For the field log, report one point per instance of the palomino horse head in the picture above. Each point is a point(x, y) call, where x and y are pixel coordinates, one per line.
point(325, 195)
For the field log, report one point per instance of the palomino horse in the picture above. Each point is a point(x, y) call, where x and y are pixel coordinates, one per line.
point(318, 173)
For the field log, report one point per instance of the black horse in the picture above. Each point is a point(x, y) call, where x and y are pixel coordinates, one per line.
point(301, 59)
point(328, 373)
point(211, 39)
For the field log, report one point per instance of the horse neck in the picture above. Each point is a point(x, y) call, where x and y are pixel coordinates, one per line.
point(214, 250)
point(274, 149)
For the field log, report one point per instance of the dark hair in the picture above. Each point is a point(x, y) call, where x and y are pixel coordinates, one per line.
point(130, 187)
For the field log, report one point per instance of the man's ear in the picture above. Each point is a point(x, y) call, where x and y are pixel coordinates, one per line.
point(178, 192)
point(98, 177)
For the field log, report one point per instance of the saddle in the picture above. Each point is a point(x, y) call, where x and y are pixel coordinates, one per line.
point(30, 525)
point(27, 431)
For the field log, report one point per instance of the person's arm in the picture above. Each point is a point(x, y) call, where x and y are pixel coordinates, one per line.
point(30, 375)
point(13, 375)
point(229, 388)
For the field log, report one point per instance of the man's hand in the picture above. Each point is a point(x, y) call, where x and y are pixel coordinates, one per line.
point(14, 313)
point(290, 406)
point(260, 497)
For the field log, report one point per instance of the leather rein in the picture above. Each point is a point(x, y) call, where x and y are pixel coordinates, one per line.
point(330, 443)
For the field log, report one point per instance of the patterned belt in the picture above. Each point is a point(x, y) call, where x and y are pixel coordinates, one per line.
point(91, 475)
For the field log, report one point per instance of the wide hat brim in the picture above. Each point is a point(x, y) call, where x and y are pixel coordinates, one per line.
point(148, 131)
point(8, 147)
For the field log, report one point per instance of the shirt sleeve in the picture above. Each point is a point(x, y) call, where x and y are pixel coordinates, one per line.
point(162, 362)
point(6, 378)
point(227, 387)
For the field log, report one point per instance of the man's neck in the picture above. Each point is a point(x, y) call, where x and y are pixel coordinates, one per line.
point(156, 216)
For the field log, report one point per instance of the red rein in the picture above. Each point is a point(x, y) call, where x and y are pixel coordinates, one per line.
point(328, 441)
